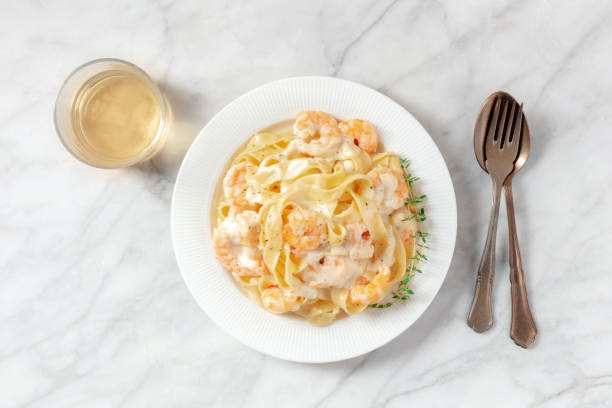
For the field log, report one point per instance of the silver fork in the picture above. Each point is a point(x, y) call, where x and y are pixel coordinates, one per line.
point(501, 145)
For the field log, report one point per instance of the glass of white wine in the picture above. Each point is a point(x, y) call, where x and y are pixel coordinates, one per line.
point(110, 114)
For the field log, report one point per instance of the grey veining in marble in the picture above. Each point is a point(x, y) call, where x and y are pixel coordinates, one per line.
point(93, 311)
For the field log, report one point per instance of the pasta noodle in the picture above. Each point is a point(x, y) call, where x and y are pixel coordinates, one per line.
point(313, 221)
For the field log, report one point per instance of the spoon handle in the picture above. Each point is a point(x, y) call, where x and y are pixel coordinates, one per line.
point(481, 313)
point(523, 329)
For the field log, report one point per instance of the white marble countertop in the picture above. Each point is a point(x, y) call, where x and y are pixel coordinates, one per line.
point(93, 310)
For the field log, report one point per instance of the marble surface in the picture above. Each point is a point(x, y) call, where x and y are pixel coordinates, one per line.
point(93, 310)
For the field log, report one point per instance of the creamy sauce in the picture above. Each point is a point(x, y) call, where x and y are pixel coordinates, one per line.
point(253, 196)
point(324, 270)
point(245, 257)
point(363, 251)
point(349, 166)
point(388, 256)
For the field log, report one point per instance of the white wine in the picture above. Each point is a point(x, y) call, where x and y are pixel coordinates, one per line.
point(110, 114)
point(115, 117)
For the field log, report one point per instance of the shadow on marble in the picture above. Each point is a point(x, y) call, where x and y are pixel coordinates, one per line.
point(540, 128)
point(187, 120)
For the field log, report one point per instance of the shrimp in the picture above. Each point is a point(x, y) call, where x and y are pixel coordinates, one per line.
point(311, 124)
point(405, 227)
point(235, 184)
point(305, 229)
point(390, 188)
point(279, 300)
point(359, 241)
point(317, 133)
point(367, 291)
point(235, 243)
point(362, 132)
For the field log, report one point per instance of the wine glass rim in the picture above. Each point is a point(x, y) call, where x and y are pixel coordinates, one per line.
point(163, 117)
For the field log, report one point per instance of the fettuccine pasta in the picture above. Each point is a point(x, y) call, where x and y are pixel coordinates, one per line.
point(314, 220)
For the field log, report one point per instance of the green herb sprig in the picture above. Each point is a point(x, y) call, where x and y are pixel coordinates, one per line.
point(407, 176)
point(415, 200)
point(403, 291)
point(413, 268)
point(422, 235)
point(419, 216)
point(419, 256)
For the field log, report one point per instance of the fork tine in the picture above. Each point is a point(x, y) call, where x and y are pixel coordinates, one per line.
point(517, 134)
point(511, 123)
point(518, 126)
point(493, 125)
point(500, 126)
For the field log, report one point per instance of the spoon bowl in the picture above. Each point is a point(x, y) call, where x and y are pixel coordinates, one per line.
point(480, 133)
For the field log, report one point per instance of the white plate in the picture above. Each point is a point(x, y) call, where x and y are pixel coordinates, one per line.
point(284, 336)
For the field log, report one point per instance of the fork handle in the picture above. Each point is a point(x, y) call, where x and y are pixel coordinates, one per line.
point(523, 329)
point(481, 313)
